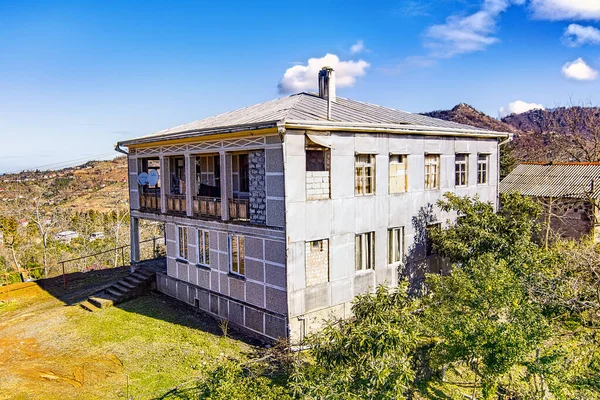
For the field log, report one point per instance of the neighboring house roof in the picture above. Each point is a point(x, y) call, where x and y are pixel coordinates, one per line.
point(568, 179)
point(307, 109)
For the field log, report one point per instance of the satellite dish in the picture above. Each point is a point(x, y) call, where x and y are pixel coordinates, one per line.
point(152, 177)
point(143, 179)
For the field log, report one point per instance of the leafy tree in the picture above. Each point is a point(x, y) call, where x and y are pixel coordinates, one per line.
point(366, 357)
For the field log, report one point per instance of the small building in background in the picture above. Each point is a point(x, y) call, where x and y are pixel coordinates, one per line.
point(66, 236)
point(569, 193)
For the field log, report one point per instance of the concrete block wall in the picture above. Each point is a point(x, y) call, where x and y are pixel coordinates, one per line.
point(257, 185)
point(317, 185)
point(256, 303)
point(317, 262)
point(344, 215)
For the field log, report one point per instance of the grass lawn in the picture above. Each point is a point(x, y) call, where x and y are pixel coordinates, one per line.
point(140, 349)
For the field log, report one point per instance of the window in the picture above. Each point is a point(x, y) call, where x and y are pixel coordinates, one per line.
point(208, 176)
point(482, 169)
point(364, 174)
point(461, 166)
point(240, 171)
point(395, 245)
point(365, 251)
point(398, 173)
point(203, 246)
point(182, 242)
point(236, 254)
point(177, 176)
point(432, 171)
point(318, 161)
point(317, 262)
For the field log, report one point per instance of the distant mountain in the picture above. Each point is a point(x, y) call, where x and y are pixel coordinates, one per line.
point(558, 119)
point(466, 114)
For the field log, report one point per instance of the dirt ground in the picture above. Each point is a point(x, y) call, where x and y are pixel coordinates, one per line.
point(52, 350)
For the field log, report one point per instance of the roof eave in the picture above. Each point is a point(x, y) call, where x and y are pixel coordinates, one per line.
point(393, 128)
point(200, 132)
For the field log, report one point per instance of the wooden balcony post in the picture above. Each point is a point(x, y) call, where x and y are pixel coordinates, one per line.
point(189, 184)
point(164, 182)
point(225, 162)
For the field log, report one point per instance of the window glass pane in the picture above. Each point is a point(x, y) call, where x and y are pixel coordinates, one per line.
point(206, 248)
point(241, 254)
point(358, 252)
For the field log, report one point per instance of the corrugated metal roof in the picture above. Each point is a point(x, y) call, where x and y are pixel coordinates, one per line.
point(578, 180)
point(309, 107)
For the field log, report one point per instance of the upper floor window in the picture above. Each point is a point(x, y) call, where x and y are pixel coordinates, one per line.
point(395, 245)
point(365, 251)
point(236, 254)
point(461, 167)
point(432, 171)
point(318, 162)
point(203, 246)
point(398, 173)
point(240, 175)
point(182, 242)
point(177, 175)
point(482, 169)
point(364, 182)
point(208, 175)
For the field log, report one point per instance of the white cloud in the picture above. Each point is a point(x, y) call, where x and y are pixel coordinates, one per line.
point(576, 35)
point(358, 47)
point(467, 34)
point(305, 77)
point(557, 10)
point(518, 107)
point(579, 70)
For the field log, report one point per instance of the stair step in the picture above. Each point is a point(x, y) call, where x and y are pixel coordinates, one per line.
point(86, 305)
point(139, 276)
point(122, 288)
point(133, 280)
point(126, 284)
point(115, 292)
point(145, 272)
point(102, 302)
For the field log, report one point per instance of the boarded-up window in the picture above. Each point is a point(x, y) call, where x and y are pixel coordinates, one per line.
point(203, 246)
point(182, 242)
point(318, 161)
point(395, 245)
point(364, 174)
point(236, 254)
point(482, 169)
point(365, 251)
point(461, 167)
point(317, 262)
point(398, 173)
point(432, 171)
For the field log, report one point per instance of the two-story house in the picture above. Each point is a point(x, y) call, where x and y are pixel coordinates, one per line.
point(278, 214)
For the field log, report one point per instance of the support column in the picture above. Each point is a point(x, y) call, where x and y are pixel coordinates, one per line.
point(189, 185)
point(134, 232)
point(164, 183)
point(225, 184)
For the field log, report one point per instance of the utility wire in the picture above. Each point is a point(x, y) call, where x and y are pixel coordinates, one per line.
point(62, 164)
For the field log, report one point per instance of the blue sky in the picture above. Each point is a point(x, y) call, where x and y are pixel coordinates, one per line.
point(77, 76)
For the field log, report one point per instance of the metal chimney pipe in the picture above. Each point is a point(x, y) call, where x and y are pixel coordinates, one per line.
point(327, 87)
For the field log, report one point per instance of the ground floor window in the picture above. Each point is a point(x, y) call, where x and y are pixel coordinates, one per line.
point(395, 245)
point(203, 246)
point(182, 242)
point(365, 251)
point(236, 254)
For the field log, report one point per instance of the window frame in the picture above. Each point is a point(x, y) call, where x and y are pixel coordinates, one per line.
point(185, 248)
point(240, 255)
point(458, 172)
point(394, 235)
point(360, 190)
point(367, 258)
point(483, 172)
point(203, 242)
point(427, 172)
point(403, 161)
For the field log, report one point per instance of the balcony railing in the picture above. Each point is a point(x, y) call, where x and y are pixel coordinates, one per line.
point(150, 202)
point(239, 209)
point(176, 204)
point(207, 206)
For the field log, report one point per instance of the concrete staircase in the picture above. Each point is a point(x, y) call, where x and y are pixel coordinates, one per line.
point(134, 285)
